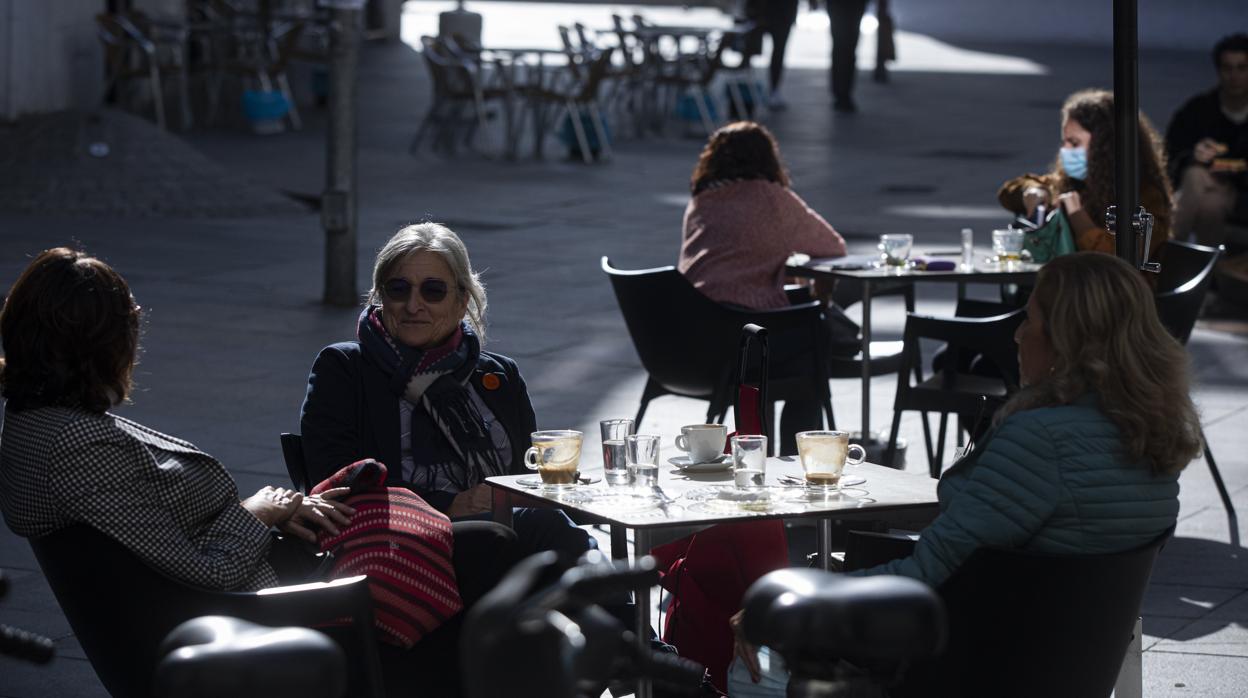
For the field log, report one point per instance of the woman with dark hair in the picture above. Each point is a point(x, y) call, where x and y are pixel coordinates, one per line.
point(740, 227)
point(70, 331)
point(1085, 459)
point(1082, 179)
point(744, 221)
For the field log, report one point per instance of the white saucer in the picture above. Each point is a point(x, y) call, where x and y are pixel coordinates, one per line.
point(720, 463)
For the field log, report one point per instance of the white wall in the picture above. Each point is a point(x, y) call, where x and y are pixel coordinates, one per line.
point(50, 58)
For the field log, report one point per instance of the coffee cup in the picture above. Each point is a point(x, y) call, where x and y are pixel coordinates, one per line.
point(824, 455)
point(703, 442)
point(555, 455)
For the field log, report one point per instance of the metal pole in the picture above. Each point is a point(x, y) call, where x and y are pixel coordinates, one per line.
point(1127, 127)
point(338, 203)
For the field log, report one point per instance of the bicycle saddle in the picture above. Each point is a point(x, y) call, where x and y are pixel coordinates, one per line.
point(214, 656)
point(812, 617)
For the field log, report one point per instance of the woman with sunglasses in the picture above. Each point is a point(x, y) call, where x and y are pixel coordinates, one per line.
point(416, 391)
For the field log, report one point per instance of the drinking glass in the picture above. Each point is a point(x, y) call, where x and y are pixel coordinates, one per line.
point(824, 455)
point(749, 460)
point(555, 456)
point(643, 459)
point(614, 456)
point(895, 249)
point(1007, 245)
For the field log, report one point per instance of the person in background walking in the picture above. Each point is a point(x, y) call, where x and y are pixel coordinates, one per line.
point(845, 17)
point(774, 17)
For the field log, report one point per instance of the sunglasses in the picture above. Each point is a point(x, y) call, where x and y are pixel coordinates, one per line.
point(399, 290)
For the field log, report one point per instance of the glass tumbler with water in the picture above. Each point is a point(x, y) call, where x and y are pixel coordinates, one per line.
point(895, 250)
point(749, 461)
point(643, 460)
point(1007, 245)
point(614, 452)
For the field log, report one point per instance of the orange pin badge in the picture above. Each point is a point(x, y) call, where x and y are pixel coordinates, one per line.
point(490, 381)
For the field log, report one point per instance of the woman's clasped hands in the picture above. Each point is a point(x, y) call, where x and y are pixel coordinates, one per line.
point(300, 515)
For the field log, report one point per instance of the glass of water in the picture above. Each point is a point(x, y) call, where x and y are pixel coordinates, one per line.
point(749, 460)
point(895, 250)
point(642, 452)
point(614, 453)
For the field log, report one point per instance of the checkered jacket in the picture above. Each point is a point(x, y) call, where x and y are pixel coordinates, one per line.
point(171, 504)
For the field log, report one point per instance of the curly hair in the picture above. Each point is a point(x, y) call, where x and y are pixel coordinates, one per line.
point(1107, 341)
point(70, 333)
point(740, 150)
point(1094, 111)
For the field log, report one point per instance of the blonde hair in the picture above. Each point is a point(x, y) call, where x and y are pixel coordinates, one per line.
point(441, 240)
point(1100, 319)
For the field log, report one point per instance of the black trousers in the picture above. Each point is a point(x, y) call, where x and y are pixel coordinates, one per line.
point(845, 17)
point(776, 18)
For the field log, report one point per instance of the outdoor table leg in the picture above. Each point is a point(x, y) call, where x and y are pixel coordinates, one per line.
point(823, 536)
point(500, 506)
point(866, 360)
point(619, 543)
point(641, 548)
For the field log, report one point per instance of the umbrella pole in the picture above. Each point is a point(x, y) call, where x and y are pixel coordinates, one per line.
point(1126, 131)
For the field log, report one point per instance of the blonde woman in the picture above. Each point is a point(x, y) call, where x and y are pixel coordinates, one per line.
point(1086, 458)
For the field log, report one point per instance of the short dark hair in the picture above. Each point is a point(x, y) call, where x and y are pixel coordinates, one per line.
point(1227, 44)
point(70, 331)
point(740, 150)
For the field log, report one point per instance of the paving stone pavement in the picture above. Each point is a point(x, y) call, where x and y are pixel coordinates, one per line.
point(233, 316)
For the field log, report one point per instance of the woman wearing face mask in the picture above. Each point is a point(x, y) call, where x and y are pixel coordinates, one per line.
point(1082, 180)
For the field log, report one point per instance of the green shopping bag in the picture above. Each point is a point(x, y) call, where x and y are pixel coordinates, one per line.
point(1053, 239)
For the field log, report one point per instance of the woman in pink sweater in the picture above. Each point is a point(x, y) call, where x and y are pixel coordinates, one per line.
point(741, 225)
point(743, 221)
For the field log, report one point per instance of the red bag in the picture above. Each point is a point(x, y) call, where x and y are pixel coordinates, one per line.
point(707, 573)
point(403, 545)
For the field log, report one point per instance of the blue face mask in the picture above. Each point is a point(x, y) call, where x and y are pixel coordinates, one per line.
point(1075, 162)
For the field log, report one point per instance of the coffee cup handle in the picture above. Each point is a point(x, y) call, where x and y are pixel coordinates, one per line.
point(862, 454)
point(682, 442)
point(531, 457)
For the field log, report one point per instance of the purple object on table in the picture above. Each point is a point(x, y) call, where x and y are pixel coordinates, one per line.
point(933, 264)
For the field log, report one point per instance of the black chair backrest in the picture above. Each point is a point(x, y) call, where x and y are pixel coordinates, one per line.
point(1186, 272)
point(993, 337)
point(121, 609)
point(296, 466)
point(1028, 624)
point(686, 341)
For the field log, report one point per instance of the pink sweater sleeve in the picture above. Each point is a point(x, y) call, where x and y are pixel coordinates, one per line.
point(811, 234)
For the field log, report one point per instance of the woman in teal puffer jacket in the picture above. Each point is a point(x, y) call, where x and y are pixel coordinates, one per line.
point(1086, 458)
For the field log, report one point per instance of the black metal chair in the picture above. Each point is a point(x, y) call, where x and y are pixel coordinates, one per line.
point(1029, 625)
point(688, 342)
point(1186, 272)
point(951, 390)
point(121, 609)
point(296, 466)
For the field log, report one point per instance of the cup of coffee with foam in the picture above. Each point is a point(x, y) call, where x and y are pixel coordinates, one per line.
point(555, 455)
